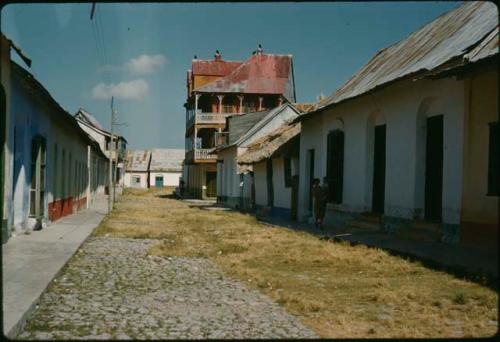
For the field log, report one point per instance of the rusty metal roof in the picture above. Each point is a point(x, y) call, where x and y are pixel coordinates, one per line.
point(163, 159)
point(137, 160)
point(450, 36)
point(213, 67)
point(260, 74)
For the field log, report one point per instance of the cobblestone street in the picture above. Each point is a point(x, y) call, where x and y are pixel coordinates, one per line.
point(111, 289)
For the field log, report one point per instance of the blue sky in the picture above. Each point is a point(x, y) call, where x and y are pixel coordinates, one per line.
point(149, 47)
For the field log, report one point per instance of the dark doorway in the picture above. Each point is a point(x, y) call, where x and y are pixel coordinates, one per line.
point(335, 166)
point(434, 169)
point(378, 195)
point(310, 154)
point(211, 184)
point(270, 188)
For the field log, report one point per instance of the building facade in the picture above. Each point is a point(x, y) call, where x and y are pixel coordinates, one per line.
point(217, 89)
point(399, 142)
point(137, 169)
point(234, 182)
point(51, 168)
point(165, 169)
point(115, 151)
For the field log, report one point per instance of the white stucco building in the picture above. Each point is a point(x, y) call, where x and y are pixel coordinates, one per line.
point(137, 169)
point(391, 140)
point(166, 167)
point(274, 159)
point(51, 167)
point(234, 184)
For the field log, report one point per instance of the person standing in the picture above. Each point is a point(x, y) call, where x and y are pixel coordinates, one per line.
point(319, 202)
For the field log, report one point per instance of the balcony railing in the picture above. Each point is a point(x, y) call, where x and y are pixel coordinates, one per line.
point(200, 154)
point(204, 154)
point(205, 118)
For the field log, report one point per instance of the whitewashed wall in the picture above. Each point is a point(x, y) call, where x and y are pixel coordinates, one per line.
point(260, 172)
point(282, 194)
point(128, 179)
point(401, 106)
point(169, 178)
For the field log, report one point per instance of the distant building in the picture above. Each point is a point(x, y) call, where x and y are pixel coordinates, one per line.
point(234, 183)
point(137, 169)
point(166, 167)
point(274, 161)
point(90, 125)
point(218, 88)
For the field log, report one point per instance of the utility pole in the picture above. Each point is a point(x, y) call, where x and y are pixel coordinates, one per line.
point(111, 148)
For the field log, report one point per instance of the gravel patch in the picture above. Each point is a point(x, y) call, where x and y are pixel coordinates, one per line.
point(111, 289)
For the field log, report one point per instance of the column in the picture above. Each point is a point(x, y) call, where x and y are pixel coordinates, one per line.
point(196, 97)
point(280, 101)
point(240, 97)
point(220, 97)
point(260, 102)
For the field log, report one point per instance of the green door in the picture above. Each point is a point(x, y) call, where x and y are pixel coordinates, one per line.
point(159, 181)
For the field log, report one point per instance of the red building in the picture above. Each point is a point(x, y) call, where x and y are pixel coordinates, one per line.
point(218, 88)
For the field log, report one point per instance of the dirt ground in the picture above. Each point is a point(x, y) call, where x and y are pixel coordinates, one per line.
point(336, 289)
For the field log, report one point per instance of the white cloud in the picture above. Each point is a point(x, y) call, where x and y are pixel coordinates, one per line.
point(145, 64)
point(132, 90)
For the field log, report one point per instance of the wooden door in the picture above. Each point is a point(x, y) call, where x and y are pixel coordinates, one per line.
point(211, 183)
point(434, 169)
point(378, 194)
point(335, 165)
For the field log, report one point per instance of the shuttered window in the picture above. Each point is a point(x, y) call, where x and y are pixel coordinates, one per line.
point(335, 166)
point(493, 161)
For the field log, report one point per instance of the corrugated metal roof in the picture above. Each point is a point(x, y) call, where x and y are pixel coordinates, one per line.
point(137, 160)
point(213, 67)
point(27, 80)
point(488, 47)
point(260, 74)
point(163, 159)
point(449, 36)
point(89, 118)
point(237, 125)
point(260, 124)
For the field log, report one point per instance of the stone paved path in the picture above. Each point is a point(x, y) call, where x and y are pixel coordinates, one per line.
point(112, 290)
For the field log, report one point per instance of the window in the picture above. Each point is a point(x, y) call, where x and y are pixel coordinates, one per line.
point(493, 160)
point(287, 167)
point(136, 179)
point(335, 166)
